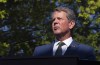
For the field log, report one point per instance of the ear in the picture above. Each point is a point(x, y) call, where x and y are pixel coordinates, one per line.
point(71, 24)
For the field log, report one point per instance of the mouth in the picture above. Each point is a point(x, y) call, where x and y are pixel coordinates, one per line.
point(56, 27)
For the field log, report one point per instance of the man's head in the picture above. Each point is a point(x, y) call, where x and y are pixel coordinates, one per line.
point(63, 20)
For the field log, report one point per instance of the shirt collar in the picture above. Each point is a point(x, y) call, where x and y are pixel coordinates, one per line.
point(66, 41)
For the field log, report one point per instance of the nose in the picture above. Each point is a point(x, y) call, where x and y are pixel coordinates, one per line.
point(55, 21)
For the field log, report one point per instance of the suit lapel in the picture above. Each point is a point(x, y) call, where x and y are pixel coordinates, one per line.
point(50, 49)
point(72, 49)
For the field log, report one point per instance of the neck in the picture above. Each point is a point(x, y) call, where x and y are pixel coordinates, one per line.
point(63, 37)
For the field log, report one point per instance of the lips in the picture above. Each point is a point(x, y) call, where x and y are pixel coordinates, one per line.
point(56, 27)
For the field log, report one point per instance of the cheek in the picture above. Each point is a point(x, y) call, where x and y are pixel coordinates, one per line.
point(65, 25)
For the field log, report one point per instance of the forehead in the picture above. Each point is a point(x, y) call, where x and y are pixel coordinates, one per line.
point(59, 14)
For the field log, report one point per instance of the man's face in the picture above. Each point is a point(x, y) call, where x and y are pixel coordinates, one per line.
point(60, 23)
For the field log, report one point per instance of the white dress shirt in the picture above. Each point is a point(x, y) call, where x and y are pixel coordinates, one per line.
point(64, 47)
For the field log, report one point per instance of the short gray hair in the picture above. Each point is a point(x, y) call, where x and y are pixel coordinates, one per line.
point(71, 14)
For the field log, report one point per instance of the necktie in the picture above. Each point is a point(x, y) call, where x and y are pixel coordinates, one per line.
point(59, 50)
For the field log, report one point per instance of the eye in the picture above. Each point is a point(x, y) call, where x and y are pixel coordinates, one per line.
point(59, 18)
point(52, 20)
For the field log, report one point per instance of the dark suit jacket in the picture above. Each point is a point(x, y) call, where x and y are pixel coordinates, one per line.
point(82, 51)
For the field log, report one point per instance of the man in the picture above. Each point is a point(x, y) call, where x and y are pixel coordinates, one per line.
point(63, 21)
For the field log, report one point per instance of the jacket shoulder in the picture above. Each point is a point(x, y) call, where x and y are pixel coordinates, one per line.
point(82, 46)
point(43, 46)
point(85, 47)
point(39, 50)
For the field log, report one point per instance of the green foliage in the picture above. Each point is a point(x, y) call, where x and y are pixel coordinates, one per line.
point(4, 49)
point(3, 1)
point(26, 24)
point(2, 14)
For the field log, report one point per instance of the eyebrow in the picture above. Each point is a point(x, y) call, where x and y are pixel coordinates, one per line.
point(58, 18)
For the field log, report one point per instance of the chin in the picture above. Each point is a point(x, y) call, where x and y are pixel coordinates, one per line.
point(57, 33)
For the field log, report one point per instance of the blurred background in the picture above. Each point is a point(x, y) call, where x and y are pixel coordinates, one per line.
point(25, 24)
